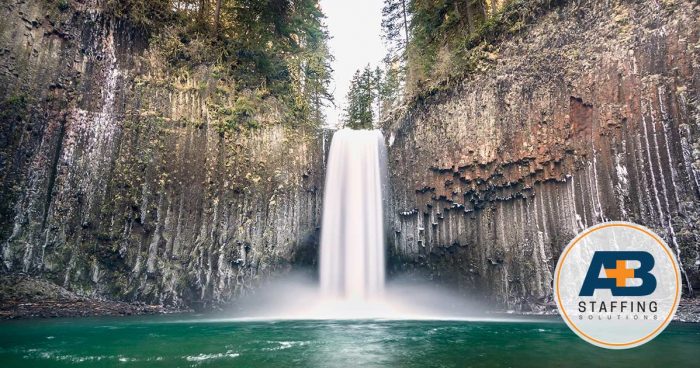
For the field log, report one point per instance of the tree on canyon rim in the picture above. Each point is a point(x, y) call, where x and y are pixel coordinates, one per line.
point(395, 32)
point(361, 99)
point(374, 92)
point(430, 41)
point(273, 48)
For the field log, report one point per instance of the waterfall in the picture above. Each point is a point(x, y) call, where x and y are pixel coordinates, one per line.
point(352, 254)
point(352, 236)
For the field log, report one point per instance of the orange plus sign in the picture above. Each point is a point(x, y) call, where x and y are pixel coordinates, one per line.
point(620, 273)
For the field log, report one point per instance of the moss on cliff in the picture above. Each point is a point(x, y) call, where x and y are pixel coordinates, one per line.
point(444, 50)
point(145, 168)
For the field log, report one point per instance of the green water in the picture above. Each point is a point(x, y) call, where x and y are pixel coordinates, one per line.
point(185, 341)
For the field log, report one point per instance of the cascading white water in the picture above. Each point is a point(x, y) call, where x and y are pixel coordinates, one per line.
point(352, 265)
point(352, 235)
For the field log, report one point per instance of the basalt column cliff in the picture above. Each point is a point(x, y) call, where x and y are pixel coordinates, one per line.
point(125, 177)
point(588, 114)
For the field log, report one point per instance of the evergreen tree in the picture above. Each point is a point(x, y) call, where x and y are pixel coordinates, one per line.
point(377, 88)
point(390, 89)
point(442, 33)
point(359, 112)
point(395, 23)
point(274, 47)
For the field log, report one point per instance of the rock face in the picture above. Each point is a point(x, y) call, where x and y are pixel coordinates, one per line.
point(591, 114)
point(115, 181)
point(22, 296)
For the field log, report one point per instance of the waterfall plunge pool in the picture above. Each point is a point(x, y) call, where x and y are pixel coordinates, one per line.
point(354, 319)
point(192, 341)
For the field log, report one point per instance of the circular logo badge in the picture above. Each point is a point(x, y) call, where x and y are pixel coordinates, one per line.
point(617, 285)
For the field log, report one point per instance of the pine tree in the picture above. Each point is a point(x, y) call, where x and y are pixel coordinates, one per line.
point(390, 89)
point(441, 32)
point(272, 48)
point(361, 96)
point(377, 87)
point(395, 23)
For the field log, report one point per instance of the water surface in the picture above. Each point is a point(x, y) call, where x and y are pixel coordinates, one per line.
point(185, 341)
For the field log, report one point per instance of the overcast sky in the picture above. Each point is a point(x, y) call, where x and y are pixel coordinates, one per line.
point(355, 30)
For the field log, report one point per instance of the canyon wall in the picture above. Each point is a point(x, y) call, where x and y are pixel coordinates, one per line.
point(590, 114)
point(116, 181)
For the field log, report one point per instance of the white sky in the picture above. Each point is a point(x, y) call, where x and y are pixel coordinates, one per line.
point(355, 27)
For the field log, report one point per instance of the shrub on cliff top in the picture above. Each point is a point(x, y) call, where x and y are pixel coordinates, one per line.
point(274, 46)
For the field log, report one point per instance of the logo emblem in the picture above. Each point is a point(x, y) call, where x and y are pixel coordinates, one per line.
point(617, 273)
point(617, 285)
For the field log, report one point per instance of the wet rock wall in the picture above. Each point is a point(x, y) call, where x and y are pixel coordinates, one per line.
point(116, 180)
point(591, 114)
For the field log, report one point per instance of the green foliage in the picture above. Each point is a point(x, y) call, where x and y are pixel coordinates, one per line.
point(240, 115)
point(14, 111)
point(395, 23)
point(63, 5)
point(274, 46)
point(243, 112)
point(60, 5)
point(145, 13)
point(449, 38)
point(280, 47)
point(359, 112)
point(372, 92)
point(390, 92)
point(13, 107)
point(438, 29)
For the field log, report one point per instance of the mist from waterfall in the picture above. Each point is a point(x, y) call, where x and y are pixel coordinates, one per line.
point(352, 262)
